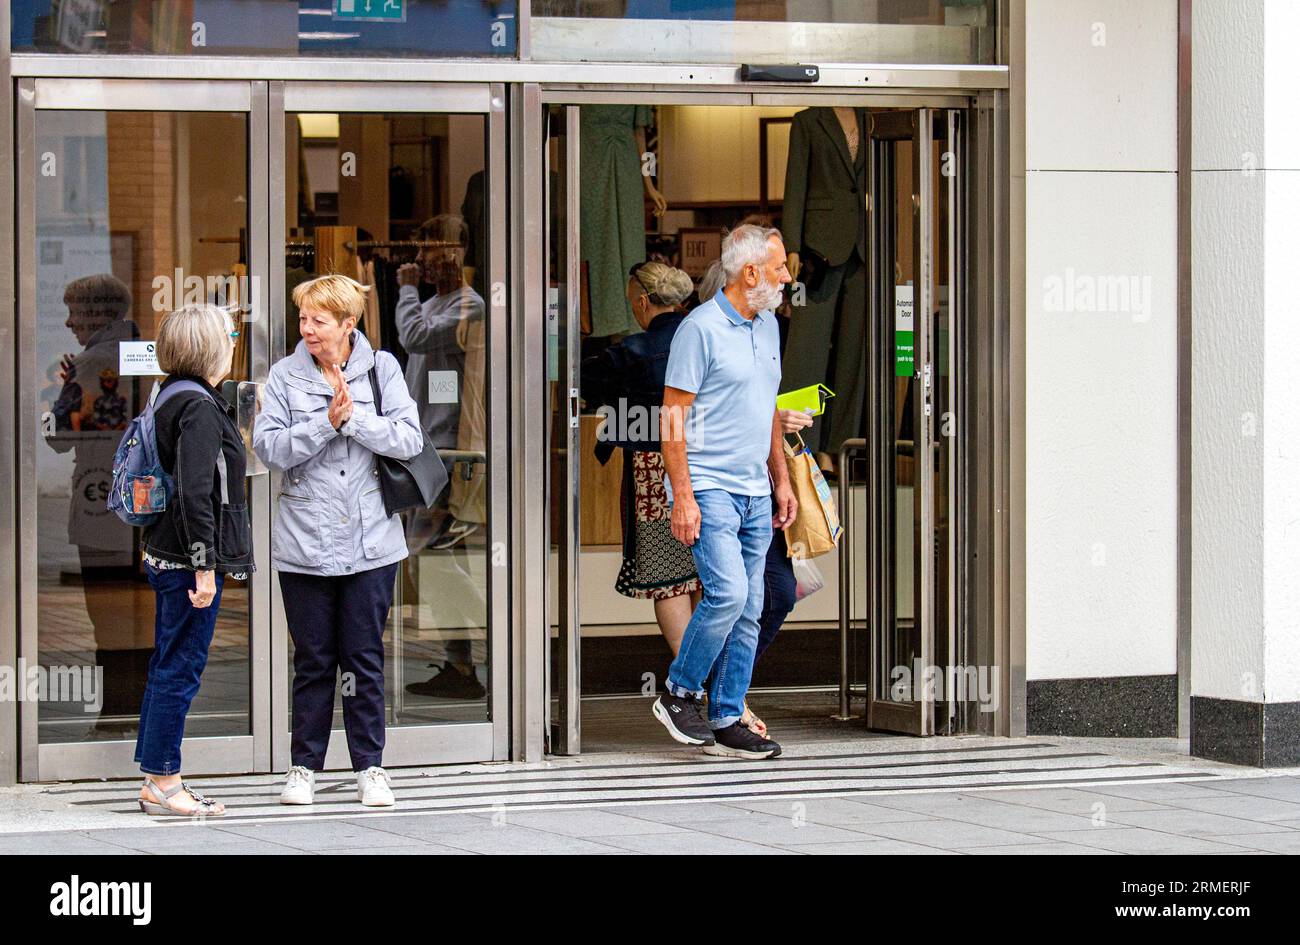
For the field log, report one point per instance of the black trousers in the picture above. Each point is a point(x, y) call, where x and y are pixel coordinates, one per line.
point(779, 590)
point(337, 623)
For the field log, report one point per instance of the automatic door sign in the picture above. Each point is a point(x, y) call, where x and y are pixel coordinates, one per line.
point(137, 358)
point(904, 355)
point(382, 11)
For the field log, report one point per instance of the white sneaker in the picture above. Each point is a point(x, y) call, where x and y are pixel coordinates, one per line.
point(299, 786)
point(373, 788)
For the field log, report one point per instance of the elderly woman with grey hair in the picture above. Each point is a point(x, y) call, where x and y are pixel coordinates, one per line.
point(201, 538)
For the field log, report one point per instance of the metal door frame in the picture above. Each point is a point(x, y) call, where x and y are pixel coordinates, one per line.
point(536, 661)
point(450, 742)
point(101, 759)
point(565, 729)
point(911, 716)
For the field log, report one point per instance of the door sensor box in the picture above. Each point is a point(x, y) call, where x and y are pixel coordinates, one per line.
point(778, 73)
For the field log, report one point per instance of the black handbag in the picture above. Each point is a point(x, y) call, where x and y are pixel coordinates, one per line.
point(408, 483)
point(813, 268)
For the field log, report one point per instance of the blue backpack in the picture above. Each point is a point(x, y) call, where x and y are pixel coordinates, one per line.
point(141, 487)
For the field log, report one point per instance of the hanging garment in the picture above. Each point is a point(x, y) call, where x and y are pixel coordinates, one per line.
point(824, 220)
point(613, 210)
point(473, 211)
point(370, 318)
point(468, 496)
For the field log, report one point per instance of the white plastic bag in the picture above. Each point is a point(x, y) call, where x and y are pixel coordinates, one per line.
point(807, 578)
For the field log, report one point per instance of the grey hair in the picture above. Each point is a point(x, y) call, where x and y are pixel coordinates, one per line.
point(195, 341)
point(746, 245)
point(711, 281)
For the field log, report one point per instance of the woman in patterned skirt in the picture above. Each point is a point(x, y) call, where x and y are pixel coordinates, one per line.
point(626, 383)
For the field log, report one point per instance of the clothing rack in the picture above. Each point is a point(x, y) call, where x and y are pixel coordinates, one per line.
point(398, 244)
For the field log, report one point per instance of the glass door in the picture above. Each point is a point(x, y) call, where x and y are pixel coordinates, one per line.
point(914, 429)
point(402, 188)
point(130, 207)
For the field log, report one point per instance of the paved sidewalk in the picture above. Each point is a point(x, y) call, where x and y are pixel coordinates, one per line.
point(883, 795)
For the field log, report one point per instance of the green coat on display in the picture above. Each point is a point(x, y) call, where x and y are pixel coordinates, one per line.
point(823, 219)
point(613, 211)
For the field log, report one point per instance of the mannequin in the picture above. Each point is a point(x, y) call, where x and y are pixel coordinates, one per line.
point(612, 140)
point(824, 223)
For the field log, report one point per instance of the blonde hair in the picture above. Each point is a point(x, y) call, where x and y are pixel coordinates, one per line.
point(195, 341)
point(664, 284)
point(334, 293)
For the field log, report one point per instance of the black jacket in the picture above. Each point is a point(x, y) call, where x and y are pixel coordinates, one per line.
point(633, 371)
point(824, 207)
point(197, 529)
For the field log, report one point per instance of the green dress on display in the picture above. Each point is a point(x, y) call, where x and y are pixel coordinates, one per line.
point(613, 211)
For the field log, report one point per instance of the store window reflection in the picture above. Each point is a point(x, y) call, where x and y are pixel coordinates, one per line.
point(136, 214)
point(429, 28)
point(398, 202)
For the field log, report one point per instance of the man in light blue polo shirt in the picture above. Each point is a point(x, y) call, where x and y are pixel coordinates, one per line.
point(725, 461)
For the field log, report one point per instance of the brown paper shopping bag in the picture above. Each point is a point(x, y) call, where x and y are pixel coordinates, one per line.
point(816, 528)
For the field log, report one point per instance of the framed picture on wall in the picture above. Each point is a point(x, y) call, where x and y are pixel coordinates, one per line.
point(773, 152)
point(699, 246)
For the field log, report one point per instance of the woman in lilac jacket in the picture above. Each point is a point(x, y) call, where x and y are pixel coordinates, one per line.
point(334, 546)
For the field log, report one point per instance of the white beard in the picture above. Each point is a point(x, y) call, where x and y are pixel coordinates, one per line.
point(765, 296)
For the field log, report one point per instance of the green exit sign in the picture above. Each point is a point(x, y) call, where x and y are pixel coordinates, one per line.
point(383, 11)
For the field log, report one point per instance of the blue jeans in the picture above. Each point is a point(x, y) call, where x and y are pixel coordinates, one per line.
point(182, 634)
point(719, 642)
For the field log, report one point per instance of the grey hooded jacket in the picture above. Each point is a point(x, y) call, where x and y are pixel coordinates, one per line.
point(331, 517)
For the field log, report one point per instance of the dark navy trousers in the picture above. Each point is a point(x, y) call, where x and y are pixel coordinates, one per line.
point(337, 625)
point(778, 593)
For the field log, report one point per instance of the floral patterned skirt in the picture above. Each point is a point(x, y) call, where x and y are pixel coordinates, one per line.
point(656, 565)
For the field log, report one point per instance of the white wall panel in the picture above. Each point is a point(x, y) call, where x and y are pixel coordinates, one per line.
point(1100, 91)
point(1100, 424)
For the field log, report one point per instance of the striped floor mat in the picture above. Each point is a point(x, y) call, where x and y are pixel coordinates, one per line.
point(887, 765)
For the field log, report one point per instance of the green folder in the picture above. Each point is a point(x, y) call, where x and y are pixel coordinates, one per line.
point(811, 400)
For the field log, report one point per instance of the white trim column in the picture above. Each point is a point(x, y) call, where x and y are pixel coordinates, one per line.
point(1245, 678)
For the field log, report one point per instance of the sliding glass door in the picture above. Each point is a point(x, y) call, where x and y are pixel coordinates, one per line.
point(131, 205)
point(402, 188)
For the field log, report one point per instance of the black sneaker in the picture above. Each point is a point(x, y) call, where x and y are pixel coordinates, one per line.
point(737, 741)
point(684, 719)
point(449, 683)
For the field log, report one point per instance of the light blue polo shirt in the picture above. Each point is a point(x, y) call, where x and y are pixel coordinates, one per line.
point(733, 367)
